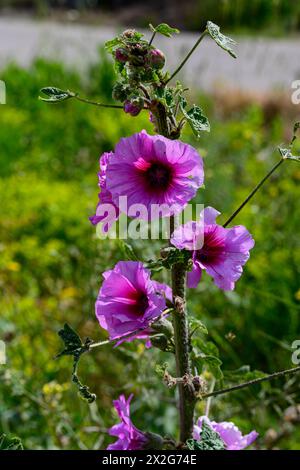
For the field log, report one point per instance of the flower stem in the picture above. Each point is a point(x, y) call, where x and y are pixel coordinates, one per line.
point(252, 382)
point(187, 57)
point(180, 322)
point(95, 103)
point(250, 196)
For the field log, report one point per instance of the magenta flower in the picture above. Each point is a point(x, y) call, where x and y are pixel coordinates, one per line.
point(106, 210)
point(154, 170)
point(229, 433)
point(129, 300)
point(129, 437)
point(222, 252)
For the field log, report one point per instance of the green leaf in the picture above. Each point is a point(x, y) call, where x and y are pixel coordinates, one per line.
point(127, 251)
point(13, 443)
point(223, 41)
point(212, 363)
point(196, 324)
point(55, 94)
point(208, 356)
point(210, 440)
point(111, 45)
point(71, 340)
point(196, 119)
point(164, 29)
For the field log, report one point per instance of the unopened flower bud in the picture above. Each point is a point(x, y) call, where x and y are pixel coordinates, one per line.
point(156, 58)
point(129, 33)
point(121, 54)
point(162, 325)
point(160, 342)
point(134, 106)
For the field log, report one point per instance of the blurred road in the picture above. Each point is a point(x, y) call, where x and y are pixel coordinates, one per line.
point(263, 64)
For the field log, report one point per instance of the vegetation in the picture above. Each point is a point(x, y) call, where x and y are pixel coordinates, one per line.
point(51, 264)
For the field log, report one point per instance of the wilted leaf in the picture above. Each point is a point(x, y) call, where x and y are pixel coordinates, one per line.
point(71, 340)
point(223, 41)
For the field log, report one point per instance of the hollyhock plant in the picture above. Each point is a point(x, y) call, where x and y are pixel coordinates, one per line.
point(105, 206)
point(129, 300)
point(129, 437)
point(154, 170)
point(229, 433)
point(222, 252)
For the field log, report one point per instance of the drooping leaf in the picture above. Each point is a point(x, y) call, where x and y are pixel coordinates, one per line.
point(71, 341)
point(164, 29)
point(210, 440)
point(196, 119)
point(223, 41)
point(55, 95)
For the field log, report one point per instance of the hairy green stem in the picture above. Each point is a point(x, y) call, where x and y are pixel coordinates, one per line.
point(187, 56)
point(252, 382)
point(250, 196)
point(95, 103)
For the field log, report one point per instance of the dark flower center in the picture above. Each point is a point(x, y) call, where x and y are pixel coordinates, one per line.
point(142, 303)
point(158, 176)
point(213, 248)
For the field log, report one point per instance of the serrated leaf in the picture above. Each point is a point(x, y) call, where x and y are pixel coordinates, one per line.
point(223, 41)
point(210, 440)
point(196, 119)
point(55, 94)
point(71, 341)
point(164, 29)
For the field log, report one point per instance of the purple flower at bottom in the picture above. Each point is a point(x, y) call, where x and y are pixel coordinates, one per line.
point(129, 437)
point(229, 433)
point(106, 211)
point(222, 252)
point(129, 300)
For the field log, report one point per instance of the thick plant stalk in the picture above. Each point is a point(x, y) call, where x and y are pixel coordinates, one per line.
point(180, 323)
point(182, 347)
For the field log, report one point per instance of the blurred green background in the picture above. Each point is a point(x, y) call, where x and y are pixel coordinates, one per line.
point(51, 264)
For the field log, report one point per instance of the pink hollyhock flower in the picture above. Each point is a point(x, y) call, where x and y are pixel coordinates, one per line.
point(154, 170)
point(106, 209)
point(229, 433)
point(222, 252)
point(129, 300)
point(129, 437)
